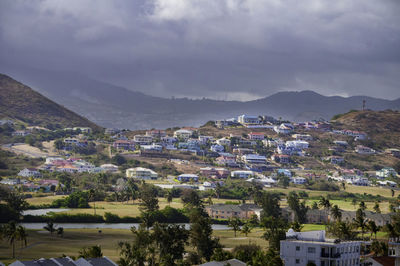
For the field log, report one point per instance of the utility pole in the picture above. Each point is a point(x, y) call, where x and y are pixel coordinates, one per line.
point(363, 106)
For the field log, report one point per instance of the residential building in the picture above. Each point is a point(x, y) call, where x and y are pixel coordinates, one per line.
point(335, 159)
point(30, 172)
point(281, 158)
point(205, 139)
point(393, 152)
point(379, 261)
point(297, 144)
point(188, 178)
point(242, 174)
point(66, 261)
point(283, 129)
point(256, 136)
point(266, 181)
point(111, 168)
point(211, 172)
point(226, 160)
point(301, 248)
point(21, 133)
point(86, 130)
point(364, 150)
point(394, 249)
point(386, 172)
point(285, 172)
point(358, 181)
point(298, 180)
point(217, 148)
point(141, 173)
point(302, 137)
point(183, 134)
point(254, 159)
point(156, 133)
point(143, 139)
point(341, 143)
point(168, 140)
point(242, 151)
point(124, 144)
point(224, 142)
point(151, 147)
point(111, 131)
point(387, 183)
point(226, 211)
point(231, 262)
point(249, 120)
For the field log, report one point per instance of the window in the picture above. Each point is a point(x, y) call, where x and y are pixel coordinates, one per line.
point(297, 261)
point(311, 250)
point(297, 248)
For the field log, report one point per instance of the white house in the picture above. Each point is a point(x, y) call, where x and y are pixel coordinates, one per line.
point(387, 183)
point(242, 174)
point(364, 150)
point(386, 172)
point(224, 142)
point(254, 159)
point(298, 180)
point(143, 139)
point(205, 139)
point(301, 248)
point(111, 168)
point(249, 120)
point(302, 137)
point(30, 172)
point(183, 134)
point(217, 148)
point(297, 144)
point(141, 173)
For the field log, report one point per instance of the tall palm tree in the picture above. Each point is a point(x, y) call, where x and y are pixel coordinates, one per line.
point(246, 229)
point(169, 196)
point(336, 213)
point(326, 204)
point(92, 197)
point(13, 233)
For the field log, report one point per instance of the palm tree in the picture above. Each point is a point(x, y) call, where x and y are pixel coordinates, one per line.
point(336, 213)
point(392, 192)
point(362, 206)
point(169, 196)
point(326, 204)
point(354, 203)
point(92, 197)
point(14, 233)
point(360, 221)
point(50, 227)
point(246, 229)
point(377, 209)
point(372, 227)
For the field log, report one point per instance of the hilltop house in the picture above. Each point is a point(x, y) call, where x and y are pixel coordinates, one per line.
point(224, 142)
point(364, 150)
point(226, 160)
point(242, 174)
point(188, 178)
point(249, 120)
point(30, 172)
point(21, 133)
point(297, 144)
point(254, 159)
point(143, 139)
point(256, 136)
point(281, 158)
point(110, 168)
point(124, 144)
point(386, 172)
point(211, 172)
point(183, 134)
point(302, 137)
point(141, 173)
point(156, 133)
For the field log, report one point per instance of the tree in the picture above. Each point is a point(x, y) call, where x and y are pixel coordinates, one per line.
point(13, 232)
point(296, 226)
point(50, 227)
point(118, 160)
point(92, 197)
point(314, 206)
point(171, 240)
point(58, 144)
point(91, 252)
point(360, 221)
point(325, 203)
point(201, 234)
point(392, 192)
point(299, 209)
point(377, 209)
point(246, 229)
point(336, 213)
point(342, 230)
point(234, 223)
point(392, 208)
point(362, 206)
point(191, 199)
point(169, 196)
point(275, 230)
point(372, 227)
point(379, 248)
point(60, 231)
point(344, 185)
point(148, 204)
point(270, 204)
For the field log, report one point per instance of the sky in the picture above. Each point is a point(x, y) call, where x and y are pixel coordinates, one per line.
point(220, 49)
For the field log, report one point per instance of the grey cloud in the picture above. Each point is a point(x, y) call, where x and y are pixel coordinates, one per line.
point(231, 49)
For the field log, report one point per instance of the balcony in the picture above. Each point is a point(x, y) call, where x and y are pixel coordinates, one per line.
point(330, 255)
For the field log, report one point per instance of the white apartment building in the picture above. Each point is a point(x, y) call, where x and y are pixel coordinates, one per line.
point(183, 134)
point(254, 159)
point(249, 119)
point(141, 173)
point(242, 174)
point(143, 139)
point(297, 144)
point(301, 248)
point(394, 249)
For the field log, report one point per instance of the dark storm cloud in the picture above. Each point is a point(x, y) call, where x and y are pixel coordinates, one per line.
point(228, 49)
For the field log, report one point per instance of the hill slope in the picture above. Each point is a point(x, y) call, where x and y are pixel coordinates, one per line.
point(20, 102)
point(112, 106)
point(383, 127)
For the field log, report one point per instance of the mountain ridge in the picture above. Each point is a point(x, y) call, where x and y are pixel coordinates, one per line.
point(115, 106)
point(18, 101)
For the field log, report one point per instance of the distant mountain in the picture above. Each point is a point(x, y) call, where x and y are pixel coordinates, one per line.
point(112, 106)
point(20, 102)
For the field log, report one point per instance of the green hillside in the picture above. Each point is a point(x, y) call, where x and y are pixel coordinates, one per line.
point(20, 102)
